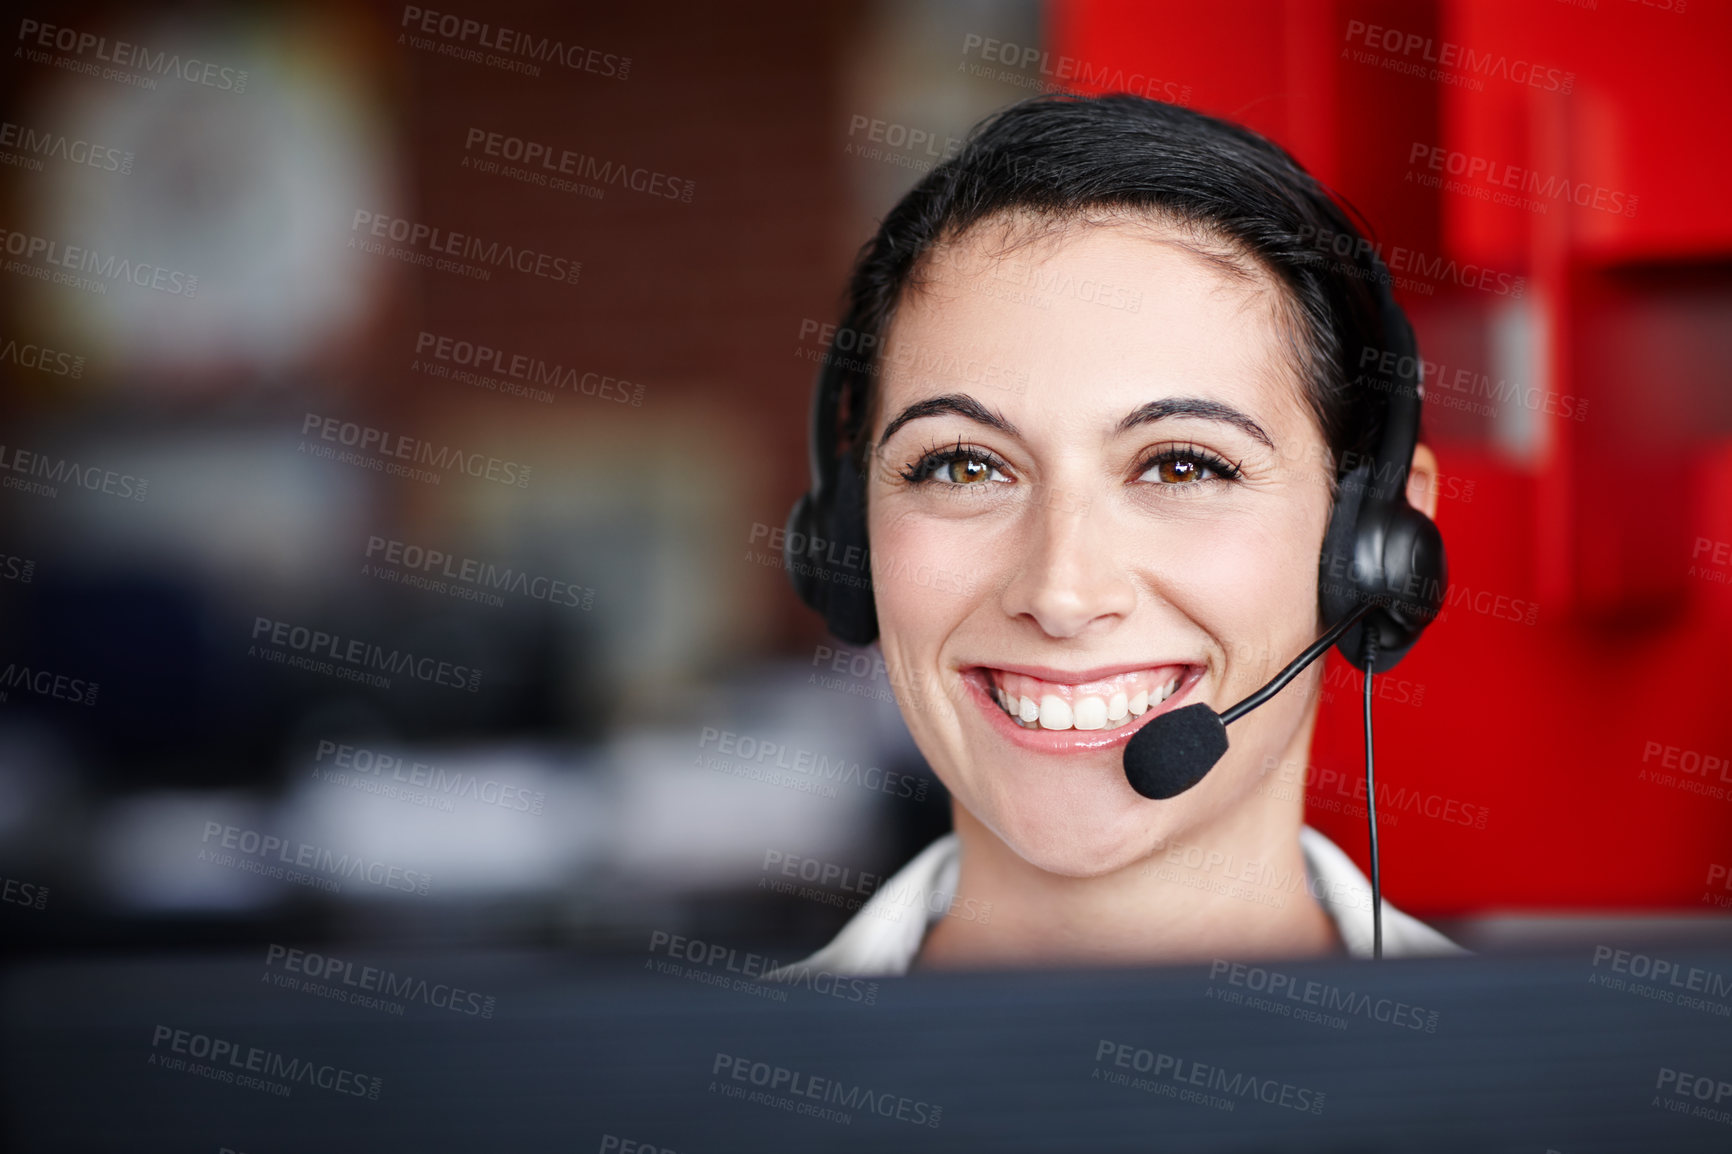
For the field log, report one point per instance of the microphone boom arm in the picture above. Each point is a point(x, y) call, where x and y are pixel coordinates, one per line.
point(1299, 663)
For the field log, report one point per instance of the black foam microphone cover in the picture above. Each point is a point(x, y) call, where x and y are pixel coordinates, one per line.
point(1172, 753)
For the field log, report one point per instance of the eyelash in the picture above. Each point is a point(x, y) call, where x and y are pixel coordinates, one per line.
point(1187, 452)
point(920, 471)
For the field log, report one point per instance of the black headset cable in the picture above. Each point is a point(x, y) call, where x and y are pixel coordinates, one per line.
point(1370, 651)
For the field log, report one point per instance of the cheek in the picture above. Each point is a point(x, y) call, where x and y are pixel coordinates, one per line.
point(1260, 568)
point(927, 582)
point(1238, 571)
point(1250, 583)
point(928, 574)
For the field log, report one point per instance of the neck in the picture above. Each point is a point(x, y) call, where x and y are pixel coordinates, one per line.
point(1235, 888)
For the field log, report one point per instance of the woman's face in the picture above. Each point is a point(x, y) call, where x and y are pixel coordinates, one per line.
point(1096, 495)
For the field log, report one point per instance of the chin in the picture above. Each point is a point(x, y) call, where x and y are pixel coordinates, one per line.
point(1084, 837)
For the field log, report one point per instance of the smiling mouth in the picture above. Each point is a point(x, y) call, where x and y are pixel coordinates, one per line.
point(1109, 703)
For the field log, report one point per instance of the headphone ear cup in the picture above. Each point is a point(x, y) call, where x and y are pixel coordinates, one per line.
point(1338, 588)
point(850, 609)
point(1415, 573)
point(800, 529)
point(1400, 565)
point(825, 556)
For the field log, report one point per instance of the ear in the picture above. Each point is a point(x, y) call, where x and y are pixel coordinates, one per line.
point(1422, 481)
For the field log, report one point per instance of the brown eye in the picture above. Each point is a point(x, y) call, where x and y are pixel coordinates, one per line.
point(1181, 470)
point(961, 467)
point(967, 470)
point(1188, 468)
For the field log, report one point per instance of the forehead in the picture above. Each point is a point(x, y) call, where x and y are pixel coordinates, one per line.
point(1102, 316)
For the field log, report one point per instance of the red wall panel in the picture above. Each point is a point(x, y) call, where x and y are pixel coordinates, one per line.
point(1561, 738)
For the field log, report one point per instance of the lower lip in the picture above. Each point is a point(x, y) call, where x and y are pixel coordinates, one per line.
point(1066, 740)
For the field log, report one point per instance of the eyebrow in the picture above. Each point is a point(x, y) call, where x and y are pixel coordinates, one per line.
point(1195, 407)
point(963, 405)
point(959, 404)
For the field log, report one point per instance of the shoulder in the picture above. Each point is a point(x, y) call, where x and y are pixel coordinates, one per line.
point(1345, 894)
point(884, 935)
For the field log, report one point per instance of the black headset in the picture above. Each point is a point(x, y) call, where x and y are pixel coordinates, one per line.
point(1378, 549)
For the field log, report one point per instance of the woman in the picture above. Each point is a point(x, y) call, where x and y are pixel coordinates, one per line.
point(1112, 384)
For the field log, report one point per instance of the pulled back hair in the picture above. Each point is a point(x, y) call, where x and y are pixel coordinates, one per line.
point(1239, 198)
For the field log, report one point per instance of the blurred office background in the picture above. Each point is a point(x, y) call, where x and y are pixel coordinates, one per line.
point(174, 510)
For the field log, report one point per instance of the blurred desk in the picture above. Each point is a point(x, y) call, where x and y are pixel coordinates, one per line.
point(685, 1049)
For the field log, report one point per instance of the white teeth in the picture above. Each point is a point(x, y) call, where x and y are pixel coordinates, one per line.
point(1091, 713)
point(1088, 713)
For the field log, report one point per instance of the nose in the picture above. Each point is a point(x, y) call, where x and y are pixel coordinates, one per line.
point(1073, 577)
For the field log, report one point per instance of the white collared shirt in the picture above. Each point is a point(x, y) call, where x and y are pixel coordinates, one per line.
point(884, 936)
